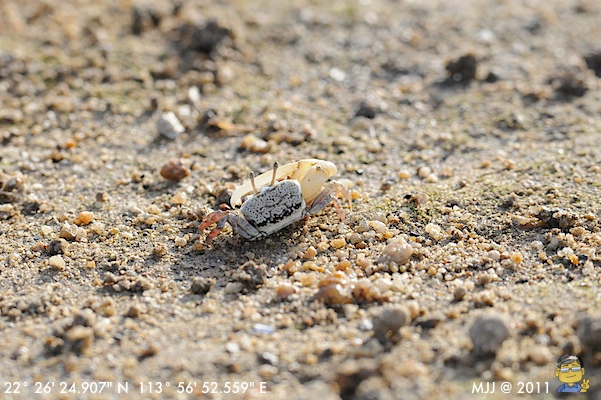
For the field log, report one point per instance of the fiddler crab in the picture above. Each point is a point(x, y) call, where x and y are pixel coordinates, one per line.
point(280, 197)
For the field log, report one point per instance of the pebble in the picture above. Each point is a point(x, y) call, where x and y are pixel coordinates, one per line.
point(362, 227)
point(84, 218)
point(404, 174)
point(434, 231)
point(387, 322)
point(169, 126)
point(263, 328)
point(589, 333)
point(57, 262)
point(540, 355)
point(378, 226)
point(367, 292)
point(459, 293)
point(310, 253)
point(516, 258)
point(424, 172)
point(334, 294)
point(285, 290)
point(232, 347)
point(488, 332)
point(179, 198)
point(255, 144)
point(180, 241)
point(233, 287)
point(12, 116)
point(397, 251)
point(355, 238)
point(338, 243)
point(494, 255)
point(135, 311)
point(174, 170)
point(201, 285)
point(68, 231)
point(267, 372)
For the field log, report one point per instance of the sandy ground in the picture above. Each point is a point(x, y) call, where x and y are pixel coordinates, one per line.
point(468, 134)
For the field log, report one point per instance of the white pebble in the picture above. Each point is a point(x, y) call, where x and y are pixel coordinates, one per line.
point(398, 251)
point(169, 126)
point(424, 172)
point(434, 231)
point(494, 255)
point(57, 262)
point(378, 226)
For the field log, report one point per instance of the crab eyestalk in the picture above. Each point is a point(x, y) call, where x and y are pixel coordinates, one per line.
point(252, 182)
point(275, 171)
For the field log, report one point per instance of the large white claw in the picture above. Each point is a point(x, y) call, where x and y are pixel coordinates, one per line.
point(295, 170)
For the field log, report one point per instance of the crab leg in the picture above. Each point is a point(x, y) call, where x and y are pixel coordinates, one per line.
point(327, 196)
point(242, 227)
point(217, 230)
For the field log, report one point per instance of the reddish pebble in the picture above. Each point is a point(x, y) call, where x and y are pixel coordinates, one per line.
point(174, 170)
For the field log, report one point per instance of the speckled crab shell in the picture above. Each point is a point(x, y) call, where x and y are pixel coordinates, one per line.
point(296, 171)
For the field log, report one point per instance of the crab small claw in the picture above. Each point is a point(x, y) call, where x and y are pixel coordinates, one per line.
point(211, 219)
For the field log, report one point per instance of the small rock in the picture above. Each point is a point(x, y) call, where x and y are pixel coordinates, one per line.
point(110, 278)
point(285, 290)
point(169, 126)
point(338, 243)
point(424, 172)
point(434, 231)
point(378, 226)
point(251, 276)
point(397, 251)
point(84, 218)
point(310, 253)
point(540, 355)
point(68, 231)
point(268, 358)
point(201, 285)
point(388, 322)
point(144, 19)
point(589, 333)
point(174, 170)
point(11, 116)
point(569, 84)
point(203, 38)
point(334, 293)
point(459, 293)
point(179, 198)
point(233, 287)
point(252, 143)
point(488, 332)
point(593, 61)
point(232, 347)
point(366, 110)
point(365, 291)
point(263, 328)
point(135, 311)
point(463, 69)
point(267, 372)
point(57, 262)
